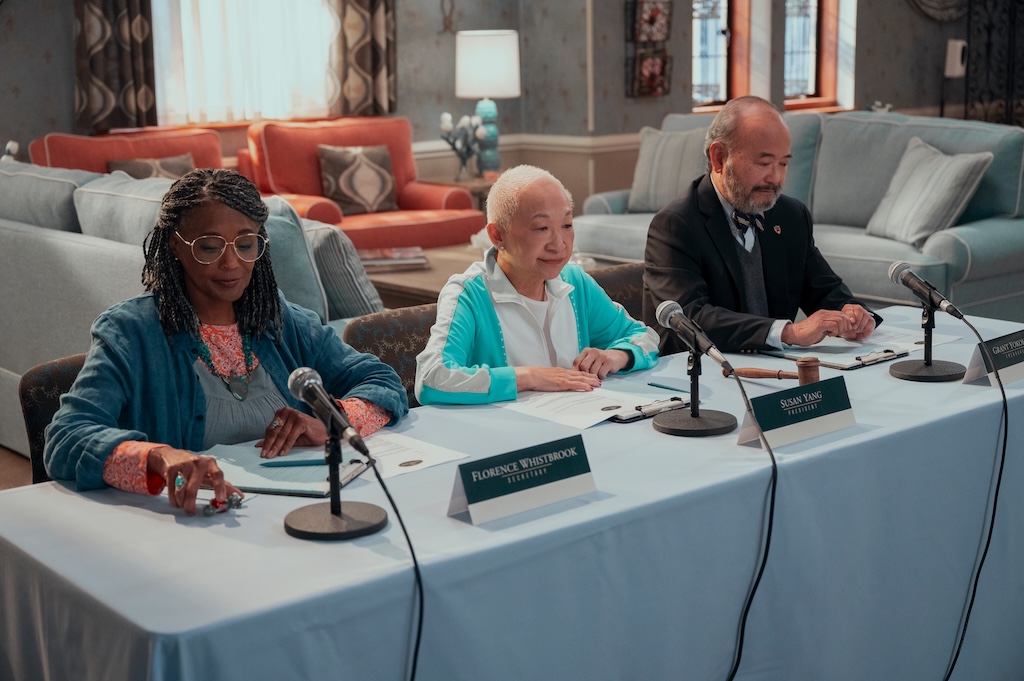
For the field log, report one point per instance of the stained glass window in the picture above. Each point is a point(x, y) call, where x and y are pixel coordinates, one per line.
point(710, 51)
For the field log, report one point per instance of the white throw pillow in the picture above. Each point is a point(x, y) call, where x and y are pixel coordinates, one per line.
point(928, 192)
point(668, 163)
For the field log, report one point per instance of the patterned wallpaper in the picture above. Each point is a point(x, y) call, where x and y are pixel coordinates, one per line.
point(37, 79)
point(899, 55)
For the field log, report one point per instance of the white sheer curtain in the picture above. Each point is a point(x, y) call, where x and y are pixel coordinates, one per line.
point(238, 60)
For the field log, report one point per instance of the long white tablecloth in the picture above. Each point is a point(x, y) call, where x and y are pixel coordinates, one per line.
point(878, 528)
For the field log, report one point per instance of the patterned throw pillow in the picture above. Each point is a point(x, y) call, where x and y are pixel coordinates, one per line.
point(172, 167)
point(358, 179)
point(927, 193)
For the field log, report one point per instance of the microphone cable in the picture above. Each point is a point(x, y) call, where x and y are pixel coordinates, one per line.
point(1004, 417)
point(415, 569)
point(772, 485)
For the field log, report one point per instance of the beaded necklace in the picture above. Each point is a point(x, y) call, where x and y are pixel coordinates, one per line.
point(238, 385)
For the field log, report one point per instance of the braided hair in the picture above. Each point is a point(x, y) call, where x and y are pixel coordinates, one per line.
point(259, 308)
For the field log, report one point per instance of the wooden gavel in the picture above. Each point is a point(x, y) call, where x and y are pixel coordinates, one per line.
point(806, 371)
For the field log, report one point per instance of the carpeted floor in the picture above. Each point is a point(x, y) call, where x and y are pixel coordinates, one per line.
point(15, 470)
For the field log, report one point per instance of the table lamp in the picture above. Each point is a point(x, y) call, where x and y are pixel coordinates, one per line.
point(487, 67)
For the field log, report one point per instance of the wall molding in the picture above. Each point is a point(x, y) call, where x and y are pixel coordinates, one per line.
point(527, 142)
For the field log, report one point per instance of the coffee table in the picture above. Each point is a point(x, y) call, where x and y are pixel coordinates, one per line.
point(418, 287)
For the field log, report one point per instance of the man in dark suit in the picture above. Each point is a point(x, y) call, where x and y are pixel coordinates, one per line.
point(744, 275)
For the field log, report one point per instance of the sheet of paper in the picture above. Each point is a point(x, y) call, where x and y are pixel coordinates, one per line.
point(843, 352)
point(395, 454)
point(241, 466)
point(575, 409)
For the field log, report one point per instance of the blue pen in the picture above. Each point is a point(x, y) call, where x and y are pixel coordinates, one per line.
point(668, 387)
point(285, 461)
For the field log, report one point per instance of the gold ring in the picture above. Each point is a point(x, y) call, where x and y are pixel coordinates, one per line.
point(276, 423)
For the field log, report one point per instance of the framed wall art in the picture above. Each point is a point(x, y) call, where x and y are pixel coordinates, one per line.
point(648, 65)
point(652, 21)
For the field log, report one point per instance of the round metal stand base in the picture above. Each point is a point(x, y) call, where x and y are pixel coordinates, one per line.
point(316, 521)
point(682, 422)
point(937, 371)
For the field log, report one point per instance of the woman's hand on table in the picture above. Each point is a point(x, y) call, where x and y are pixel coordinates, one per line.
point(290, 428)
point(185, 472)
point(600, 362)
point(555, 379)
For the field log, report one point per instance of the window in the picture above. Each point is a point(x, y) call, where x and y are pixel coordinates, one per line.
point(722, 38)
point(710, 51)
point(801, 55)
point(223, 61)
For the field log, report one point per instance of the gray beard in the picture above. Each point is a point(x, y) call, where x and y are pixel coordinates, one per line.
point(743, 200)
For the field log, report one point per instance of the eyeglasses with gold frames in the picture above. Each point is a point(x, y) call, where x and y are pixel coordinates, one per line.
point(208, 249)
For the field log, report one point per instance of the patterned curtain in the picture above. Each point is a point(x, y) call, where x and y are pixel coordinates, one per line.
point(365, 58)
point(114, 77)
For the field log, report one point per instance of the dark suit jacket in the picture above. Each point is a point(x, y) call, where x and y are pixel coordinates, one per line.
point(691, 258)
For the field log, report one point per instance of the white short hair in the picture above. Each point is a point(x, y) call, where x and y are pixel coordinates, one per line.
point(506, 194)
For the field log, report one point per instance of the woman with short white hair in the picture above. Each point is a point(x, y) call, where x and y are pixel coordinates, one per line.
point(523, 318)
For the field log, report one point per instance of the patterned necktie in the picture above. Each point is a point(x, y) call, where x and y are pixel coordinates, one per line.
point(744, 221)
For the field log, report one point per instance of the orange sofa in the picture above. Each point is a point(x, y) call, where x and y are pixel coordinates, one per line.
point(82, 152)
point(282, 159)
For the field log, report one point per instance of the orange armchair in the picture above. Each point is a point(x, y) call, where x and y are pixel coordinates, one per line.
point(282, 159)
point(82, 152)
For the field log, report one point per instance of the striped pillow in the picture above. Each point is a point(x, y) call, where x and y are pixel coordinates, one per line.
point(669, 162)
point(350, 293)
point(928, 193)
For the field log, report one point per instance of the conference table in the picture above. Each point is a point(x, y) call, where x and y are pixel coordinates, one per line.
point(878, 530)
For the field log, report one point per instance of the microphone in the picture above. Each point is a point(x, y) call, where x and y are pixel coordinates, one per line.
point(670, 315)
point(900, 273)
point(305, 384)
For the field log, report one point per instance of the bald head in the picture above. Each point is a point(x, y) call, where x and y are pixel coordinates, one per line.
point(748, 150)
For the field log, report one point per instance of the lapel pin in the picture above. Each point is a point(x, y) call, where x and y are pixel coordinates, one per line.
point(778, 230)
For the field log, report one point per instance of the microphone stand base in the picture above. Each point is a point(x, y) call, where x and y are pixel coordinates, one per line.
point(937, 371)
point(682, 422)
point(316, 521)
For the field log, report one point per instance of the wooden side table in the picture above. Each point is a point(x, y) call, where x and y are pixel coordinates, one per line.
point(417, 287)
point(478, 187)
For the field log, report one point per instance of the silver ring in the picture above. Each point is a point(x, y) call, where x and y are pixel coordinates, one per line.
point(276, 423)
point(179, 482)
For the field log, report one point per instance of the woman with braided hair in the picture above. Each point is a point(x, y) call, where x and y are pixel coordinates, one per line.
point(204, 357)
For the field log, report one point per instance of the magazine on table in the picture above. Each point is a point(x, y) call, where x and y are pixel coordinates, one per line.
point(393, 259)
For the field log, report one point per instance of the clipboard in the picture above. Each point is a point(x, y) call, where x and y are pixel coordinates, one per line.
point(843, 361)
point(646, 411)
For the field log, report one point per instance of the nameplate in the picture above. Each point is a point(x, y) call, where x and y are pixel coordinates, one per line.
point(1007, 352)
point(799, 413)
point(510, 483)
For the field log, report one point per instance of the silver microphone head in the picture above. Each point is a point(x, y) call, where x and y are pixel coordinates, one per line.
point(666, 310)
point(896, 271)
point(302, 378)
